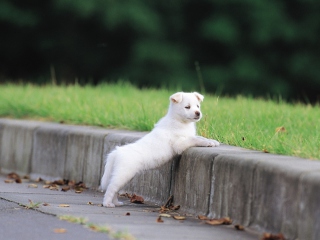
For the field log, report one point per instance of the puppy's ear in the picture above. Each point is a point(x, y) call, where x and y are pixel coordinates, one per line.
point(199, 96)
point(176, 98)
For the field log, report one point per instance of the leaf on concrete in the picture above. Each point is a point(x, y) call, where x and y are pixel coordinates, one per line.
point(64, 205)
point(239, 227)
point(220, 221)
point(90, 203)
point(45, 204)
point(9, 181)
point(127, 214)
point(136, 199)
point(54, 187)
point(39, 179)
point(202, 217)
point(59, 182)
point(60, 230)
point(165, 215)
point(179, 217)
point(65, 188)
point(13, 175)
point(265, 150)
point(32, 185)
point(159, 220)
point(18, 180)
point(269, 236)
point(127, 195)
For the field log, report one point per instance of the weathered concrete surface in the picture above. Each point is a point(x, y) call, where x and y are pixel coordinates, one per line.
point(193, 179)
point(264, 191)
point(16, 142)
point(153, 185)
point(49, 151)
point(21, 223)
point(84, 155)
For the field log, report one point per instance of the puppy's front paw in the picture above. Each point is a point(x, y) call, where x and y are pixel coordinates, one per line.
point(118, 203)
point(213, 143)
point(109, 205)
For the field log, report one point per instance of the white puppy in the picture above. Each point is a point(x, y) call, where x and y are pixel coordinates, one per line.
point(173, 134)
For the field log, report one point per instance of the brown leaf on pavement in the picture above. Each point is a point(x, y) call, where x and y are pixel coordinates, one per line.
point(65, 188)
point(239, 227)
point(13, 175)
point(32, 185)
point(220, 221)
point(64, 205)
point(179, 217)
point(60, 182)
point(127, 214)
point(9, 181)
point(60, 230)
point(136, 199)
point(159, 220)
point(269, 236)
point(202, 217)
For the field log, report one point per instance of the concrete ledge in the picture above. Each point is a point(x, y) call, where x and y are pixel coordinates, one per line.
point(267, 192)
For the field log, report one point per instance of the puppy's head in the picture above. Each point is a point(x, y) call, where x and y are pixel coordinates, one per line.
point(186, 106)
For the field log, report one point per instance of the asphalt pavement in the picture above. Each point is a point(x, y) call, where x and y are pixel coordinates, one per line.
point(30, 210)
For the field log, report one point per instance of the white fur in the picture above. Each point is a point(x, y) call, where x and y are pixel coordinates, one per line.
point(172, 135)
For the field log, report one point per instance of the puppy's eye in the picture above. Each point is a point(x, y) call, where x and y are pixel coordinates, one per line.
point(197, 106)
point(187, 107)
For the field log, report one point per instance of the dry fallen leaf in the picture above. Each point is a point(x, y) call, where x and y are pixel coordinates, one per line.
point(220, 221)
point(269, 236)
point(46, 186)
point(65, 188)
point(45, 204)
point(13, 175)
point(54, 188)
point(165, 215)
point(127, 214)
point(280, 129)
point(32, 185)
point(59, 182)
point(39, 179)
point(64, 205)
point(60, 230)
point(9, 181)
point(179, 217)
point(159, 220)
point(239, 227)
point(136, 199)
point(89, 203)
point(265, 150)
point(18, 180)
point(202, 217)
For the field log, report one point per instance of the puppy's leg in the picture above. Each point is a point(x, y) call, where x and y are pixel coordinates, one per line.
point(116, 183)
point(115, 201)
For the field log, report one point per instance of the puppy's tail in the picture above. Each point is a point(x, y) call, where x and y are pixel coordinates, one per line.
point(107, 171)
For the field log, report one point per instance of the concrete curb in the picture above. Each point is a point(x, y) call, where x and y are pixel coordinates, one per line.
point(267, 192)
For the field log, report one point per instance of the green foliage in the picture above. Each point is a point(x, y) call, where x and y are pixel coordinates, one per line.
point(253, 47)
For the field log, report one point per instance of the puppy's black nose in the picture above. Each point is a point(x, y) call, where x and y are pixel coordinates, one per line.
point(197, 113)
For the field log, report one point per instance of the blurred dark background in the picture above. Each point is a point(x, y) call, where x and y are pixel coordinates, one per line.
point(263, 48)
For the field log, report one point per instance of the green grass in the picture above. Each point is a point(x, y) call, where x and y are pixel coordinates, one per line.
point(245, 122)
